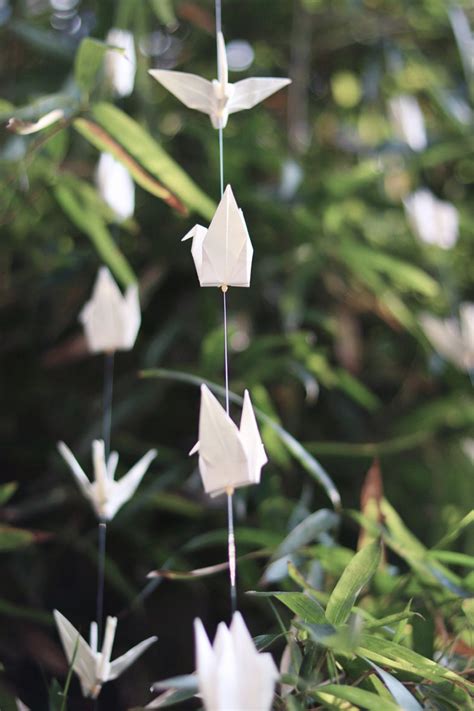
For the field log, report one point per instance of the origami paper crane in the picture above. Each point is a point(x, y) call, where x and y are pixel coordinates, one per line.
point(231, 673)
point(229, 457)
point(433, 221)
point(453, 337)
point(223, 253)
point(116, 186)
point(111, 321)
point(94, 668)
point(218, 98)
point(106, 495)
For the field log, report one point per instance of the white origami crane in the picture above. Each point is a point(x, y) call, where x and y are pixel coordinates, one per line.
point(453, 338)
point(228, 457)
point(433, 221)
point(223, 253)
point(120, 69)
point(408, 122)
point(232, 675)
point(218, 98)
point(106, 495)
point(116, 186)
point(111, 321)
point(92, 667)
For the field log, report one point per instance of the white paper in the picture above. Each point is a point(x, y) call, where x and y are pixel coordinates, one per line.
point(229, 457)
point(116, 186)
point(91, 666)
point(111, 320)
point(408, 122)
point(120, 68)
point(218, 98)
point(223, 253)
point(433, 221)
point(231, 673)
point(106, 495)
point(453, 338)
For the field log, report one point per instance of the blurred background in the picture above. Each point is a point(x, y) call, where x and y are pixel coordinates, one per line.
point(356, 185)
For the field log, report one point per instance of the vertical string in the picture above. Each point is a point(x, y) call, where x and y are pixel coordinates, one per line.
point(221, 159)
point(231, 552)
point(102, 530)
point(226, 350)
point(230, 491)
point(107, 400)
point(102, 537)
point(218, 16)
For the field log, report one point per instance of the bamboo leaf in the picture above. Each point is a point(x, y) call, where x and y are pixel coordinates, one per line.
point(400, 693)
point(354, 578)
point(307, 531)
point(89, 60)
point(364, 699)
point(104, 142)
point(12, 538)
point(118, 129)
point(7, 491)
point(396, 656)
point(90, 223)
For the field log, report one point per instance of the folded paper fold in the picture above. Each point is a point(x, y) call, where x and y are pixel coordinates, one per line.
point(229, 457)
point(223, 253)
point(231, 673)
point(94, 668)
point(106, 495)
point(111, 320)
point(218, 98)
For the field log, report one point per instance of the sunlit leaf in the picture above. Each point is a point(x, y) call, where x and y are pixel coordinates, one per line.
point(354, 578)
point(112, 130)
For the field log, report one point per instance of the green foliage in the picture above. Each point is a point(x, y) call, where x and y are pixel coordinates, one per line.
point(88, 61)
point(142, 155)
point(374, 598)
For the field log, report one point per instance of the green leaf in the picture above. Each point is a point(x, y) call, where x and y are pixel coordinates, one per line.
point(468, 609)
point(354, 578)
point(186, 682)
point(403, 275)
point(56, 701)
point(104, 142)
point(303, 605)
point(120, 130)
point(10, 610)
point(7, 491)
point(87, 220)
point(307, 531)
point(12, 538)
point(7, 701)
point(364, 699)
point(400, 693)
point(307, 461)
point(455, 532)
point(396, 656)
point(164, 11)
point(88, 62)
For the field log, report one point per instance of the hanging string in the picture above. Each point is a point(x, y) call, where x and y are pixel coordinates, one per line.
point(218, 16)
point(102, 537)
point(230, 491)
point(226, 350)
point(109, 359)
point(221, 159)
point(102, 530)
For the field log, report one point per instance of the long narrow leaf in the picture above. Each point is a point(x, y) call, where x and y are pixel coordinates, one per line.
point(355, 577)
